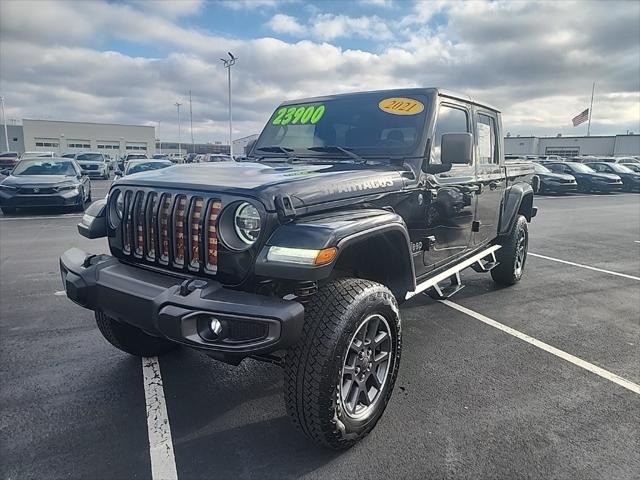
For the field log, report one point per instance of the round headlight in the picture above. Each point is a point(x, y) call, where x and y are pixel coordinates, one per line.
point(247, 223)
point(119, 203)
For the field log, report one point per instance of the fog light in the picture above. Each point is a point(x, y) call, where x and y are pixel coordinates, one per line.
point(215, 326)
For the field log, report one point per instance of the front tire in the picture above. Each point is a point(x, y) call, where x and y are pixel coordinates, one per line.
point(340, 375)
point(130, 339)
point(513, 254)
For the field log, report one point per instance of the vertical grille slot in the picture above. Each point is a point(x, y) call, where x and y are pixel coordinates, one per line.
point(127, 226)
point(138, 221)
point(195, 233)
point(152, 221)
point(165, 215)
point(212, 236)
point(179, 227)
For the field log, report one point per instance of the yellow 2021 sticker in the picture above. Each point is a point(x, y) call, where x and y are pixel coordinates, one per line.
point(401, 106)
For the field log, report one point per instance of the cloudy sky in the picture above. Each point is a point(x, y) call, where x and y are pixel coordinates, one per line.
point(130, 61)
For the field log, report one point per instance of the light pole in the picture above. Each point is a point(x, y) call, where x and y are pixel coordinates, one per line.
point(193, 145)
point(228, 63)
point(4, 122)
point(159, 139)
point(177, 104)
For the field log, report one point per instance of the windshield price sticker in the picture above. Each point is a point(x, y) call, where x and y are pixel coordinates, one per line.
point(299, 115)
point(401, 106)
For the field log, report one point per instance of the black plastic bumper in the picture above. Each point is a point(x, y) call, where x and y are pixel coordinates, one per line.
point(180, 310)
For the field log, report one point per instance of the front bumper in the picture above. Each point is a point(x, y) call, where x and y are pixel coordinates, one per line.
point(559, 187)
point(607, 187)
point(170, 307)
point(94, 173)
point(60, 199)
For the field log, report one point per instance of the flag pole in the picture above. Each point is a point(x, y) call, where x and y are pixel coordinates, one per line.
point(591, 110)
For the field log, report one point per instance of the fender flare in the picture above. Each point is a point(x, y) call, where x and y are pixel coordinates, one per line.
point(518, 199)
point(344, 230)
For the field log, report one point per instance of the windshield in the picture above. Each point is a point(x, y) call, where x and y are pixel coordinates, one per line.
point(579, 167)
point(540, 169)
point(620, 168)
point(147, 166)
point(134, 156)
point(91, 157)
point(44, 167)
point(8, 154)
point(375, 124)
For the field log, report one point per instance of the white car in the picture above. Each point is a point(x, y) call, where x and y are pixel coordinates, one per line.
point(37, 155)
point(93, 164)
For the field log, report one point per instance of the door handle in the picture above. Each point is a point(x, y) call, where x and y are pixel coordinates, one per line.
point(472, 189)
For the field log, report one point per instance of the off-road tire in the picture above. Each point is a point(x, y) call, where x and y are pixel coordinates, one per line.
point(8, 210)
point(506, 272)
point(313, 367)
point(130, 339)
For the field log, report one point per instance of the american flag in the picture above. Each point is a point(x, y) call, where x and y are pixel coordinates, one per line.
point(580, 118)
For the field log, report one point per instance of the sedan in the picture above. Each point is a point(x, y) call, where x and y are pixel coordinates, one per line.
point(630, 178)
point(544, 180)
point(45, 182)
point(588, 179)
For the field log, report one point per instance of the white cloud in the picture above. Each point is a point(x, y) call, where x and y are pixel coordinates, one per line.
point(377, 3)
point(536, 64)
point(170, 8)
point(281, 23)
point(252, 4)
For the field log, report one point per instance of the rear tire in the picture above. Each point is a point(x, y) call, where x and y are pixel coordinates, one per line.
point(340, 375)
point(9, 210)
point(130, 339)
point(513, 254)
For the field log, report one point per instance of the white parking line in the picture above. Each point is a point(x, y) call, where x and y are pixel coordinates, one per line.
point(617, 274)
point(163, 461)
point(612, 377)
point(50, 217)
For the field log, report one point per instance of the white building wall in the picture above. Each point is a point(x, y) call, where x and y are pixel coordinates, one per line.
point(569, 146)
point(627, 145)
point(61, 137)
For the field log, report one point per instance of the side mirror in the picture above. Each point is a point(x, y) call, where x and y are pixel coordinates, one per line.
point(456, 148)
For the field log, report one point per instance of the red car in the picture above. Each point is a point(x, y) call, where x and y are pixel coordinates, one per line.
point(8, 159)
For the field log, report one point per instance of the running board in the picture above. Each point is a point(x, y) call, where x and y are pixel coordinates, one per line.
point(484, 265)
point(454, 272)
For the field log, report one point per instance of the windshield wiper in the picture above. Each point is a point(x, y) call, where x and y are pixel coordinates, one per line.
point(336, 148)
point(277, 149)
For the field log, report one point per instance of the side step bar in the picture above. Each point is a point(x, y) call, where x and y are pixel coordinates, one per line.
point(453, 274)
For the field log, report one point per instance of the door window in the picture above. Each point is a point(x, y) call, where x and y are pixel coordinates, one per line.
point(450, 120)
point(487, 145)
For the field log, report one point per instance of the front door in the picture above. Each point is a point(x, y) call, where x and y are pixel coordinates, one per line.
point(489, 176)
point(451, 206)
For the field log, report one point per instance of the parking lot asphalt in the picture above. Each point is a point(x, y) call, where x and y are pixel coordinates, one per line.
point(471, 401)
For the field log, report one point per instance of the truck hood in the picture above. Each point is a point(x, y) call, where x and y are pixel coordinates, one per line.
point(306, 184)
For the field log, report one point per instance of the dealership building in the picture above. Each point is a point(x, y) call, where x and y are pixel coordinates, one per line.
point(608, 146)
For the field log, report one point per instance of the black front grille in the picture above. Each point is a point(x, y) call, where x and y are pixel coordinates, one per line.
point(37, 190)
point(177, 231)
point(90, 166)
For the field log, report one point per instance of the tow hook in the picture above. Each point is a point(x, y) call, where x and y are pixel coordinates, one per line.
point(191, 285)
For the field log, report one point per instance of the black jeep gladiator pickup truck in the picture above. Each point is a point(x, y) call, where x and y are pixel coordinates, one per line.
point(347, 206)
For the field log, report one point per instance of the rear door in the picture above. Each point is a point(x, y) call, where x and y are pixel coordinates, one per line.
point(490, 177)
point(451, 209)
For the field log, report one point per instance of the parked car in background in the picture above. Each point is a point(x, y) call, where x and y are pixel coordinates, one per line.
point(544, 181)
point(68, 155)
point(632, 166)
point(161, 156)
point(8, 159)
point(93, 164)
point(189, 158)
point(212, 157)
point(139, 166)
point(176, 157)
point(126, 158)
point(111, 161)
point(628, 160)
point(588, 179)
point(45, 182)
point(37, 154)
point(630, 179)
